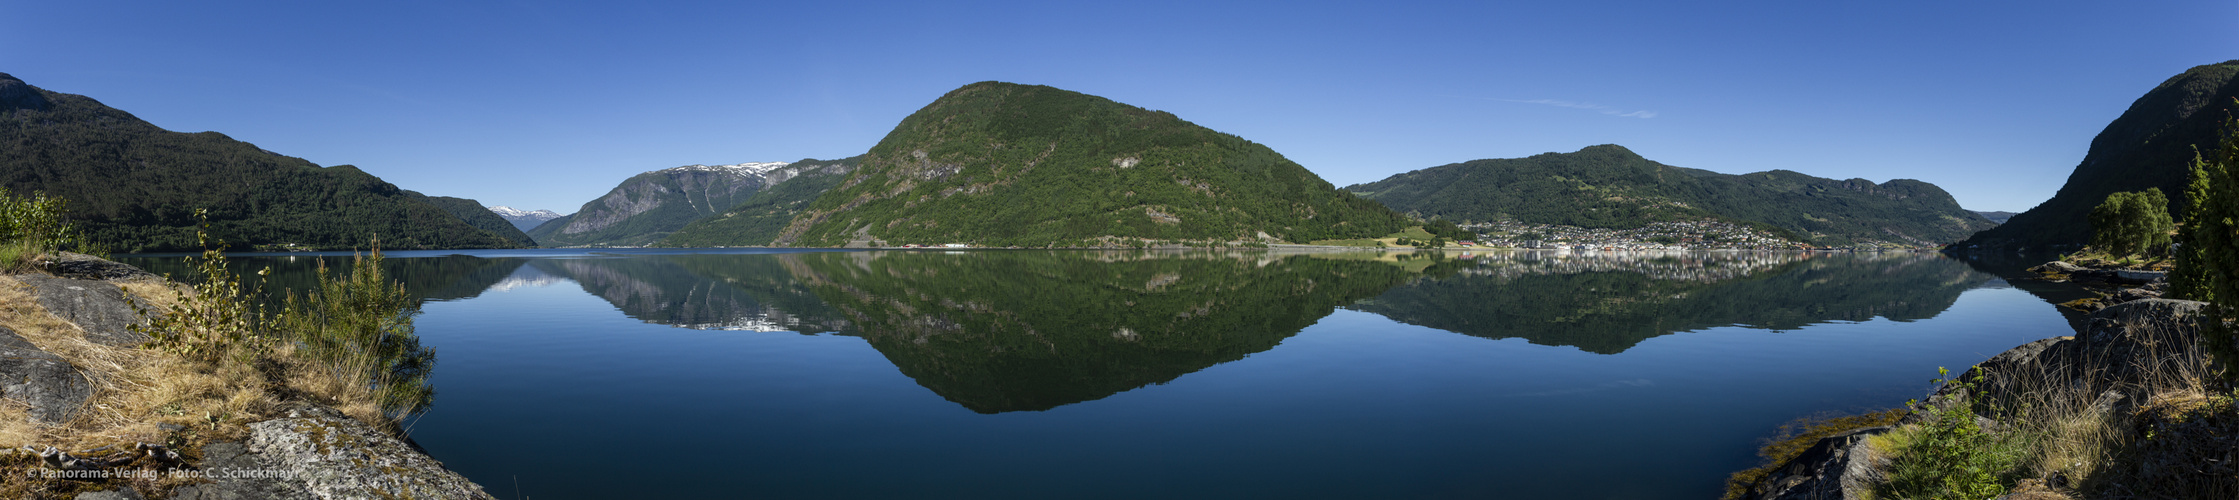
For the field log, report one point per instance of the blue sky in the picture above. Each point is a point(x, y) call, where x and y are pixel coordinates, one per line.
point(549, 104)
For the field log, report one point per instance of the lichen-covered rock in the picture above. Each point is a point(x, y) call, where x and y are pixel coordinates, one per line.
point(123, 494)
point(54, 389)
point(1835, 467)
point(98, 307)
point(236, 474)
point(335, 457)
point(86, 267)
point(2056, 267)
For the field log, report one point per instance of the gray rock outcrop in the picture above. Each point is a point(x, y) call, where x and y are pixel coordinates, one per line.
point(86, 267)
point(98, 307)
point(2120, 349)
point(323, 454)
point(1838, 466)
point(236, 474)
point(54, 389)
point(123, 494)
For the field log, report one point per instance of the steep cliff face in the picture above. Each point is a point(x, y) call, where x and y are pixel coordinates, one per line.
point(2150, 146)
point(647, 207)
point(757, 221)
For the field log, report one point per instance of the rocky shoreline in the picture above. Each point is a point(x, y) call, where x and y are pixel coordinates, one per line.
point(2114, 368)
point(308, 452)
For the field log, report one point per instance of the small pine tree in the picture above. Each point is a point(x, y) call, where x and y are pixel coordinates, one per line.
point(2208, 261)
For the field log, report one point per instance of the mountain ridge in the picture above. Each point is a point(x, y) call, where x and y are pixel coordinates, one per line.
point(524, 220)
point(647, 207)
point(2149, 146)
point(1005, 164)
point(135, 186)
point(1609, 186)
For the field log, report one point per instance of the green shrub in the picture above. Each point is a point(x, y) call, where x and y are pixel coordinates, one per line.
point(2208, 261)
point(2130, 223)
point(359, 327)
point(1950, 456)
point(348, 343)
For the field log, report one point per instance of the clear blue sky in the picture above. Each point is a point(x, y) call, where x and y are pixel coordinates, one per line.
point(549, 104)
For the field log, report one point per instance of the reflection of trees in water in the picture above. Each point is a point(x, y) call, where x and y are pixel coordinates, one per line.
point(1608, 305)
point(1011, 331)
point(705, 292)
point(448, 277)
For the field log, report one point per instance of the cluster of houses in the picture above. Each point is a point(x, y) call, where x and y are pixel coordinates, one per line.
point(1686, 235)
point(1677, 266)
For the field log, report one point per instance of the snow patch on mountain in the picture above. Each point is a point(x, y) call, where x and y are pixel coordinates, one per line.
point(753, 169)
point(510, 212)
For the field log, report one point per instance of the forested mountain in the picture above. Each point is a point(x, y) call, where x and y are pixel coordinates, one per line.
point(757, 221)
point(135, 186)
point(2149, 146)
point(1003, 164)
point(473, 214)
point(648, 206)
point(1608, 186)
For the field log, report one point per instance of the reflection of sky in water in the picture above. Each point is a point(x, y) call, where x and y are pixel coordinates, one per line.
point(526, 276)
point(1356, 405)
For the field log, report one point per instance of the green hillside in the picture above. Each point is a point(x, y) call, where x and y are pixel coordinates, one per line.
point(2149, 146)
point(135, 186)
point(1002, 164)
point(474, 214)
point(1608, 186)
point(758, 220)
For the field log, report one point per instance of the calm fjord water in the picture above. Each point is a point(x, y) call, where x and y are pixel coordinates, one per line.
point(1031, 374)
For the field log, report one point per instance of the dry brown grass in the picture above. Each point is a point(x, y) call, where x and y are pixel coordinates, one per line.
point(209, 396)
point(2173, 434)
point(132, 388)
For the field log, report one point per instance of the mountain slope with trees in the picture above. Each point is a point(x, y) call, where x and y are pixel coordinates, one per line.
point(1004, 164)
point(135, 186)
point(472, 213)
point(2150, 146)
point(758, 220)
point(647, 207)
point(1608, 186)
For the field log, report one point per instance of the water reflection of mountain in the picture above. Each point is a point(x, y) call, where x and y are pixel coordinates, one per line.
point(2013, 269)
point(1606, 303)
point(705, 292)
point(449, 277)
point(1012, 331)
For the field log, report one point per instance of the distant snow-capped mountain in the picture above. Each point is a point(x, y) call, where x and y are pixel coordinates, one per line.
point(756, 169)
point(525, 220)
point(646, 207)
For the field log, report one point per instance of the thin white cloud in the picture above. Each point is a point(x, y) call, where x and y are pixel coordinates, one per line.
point(1642, 114)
